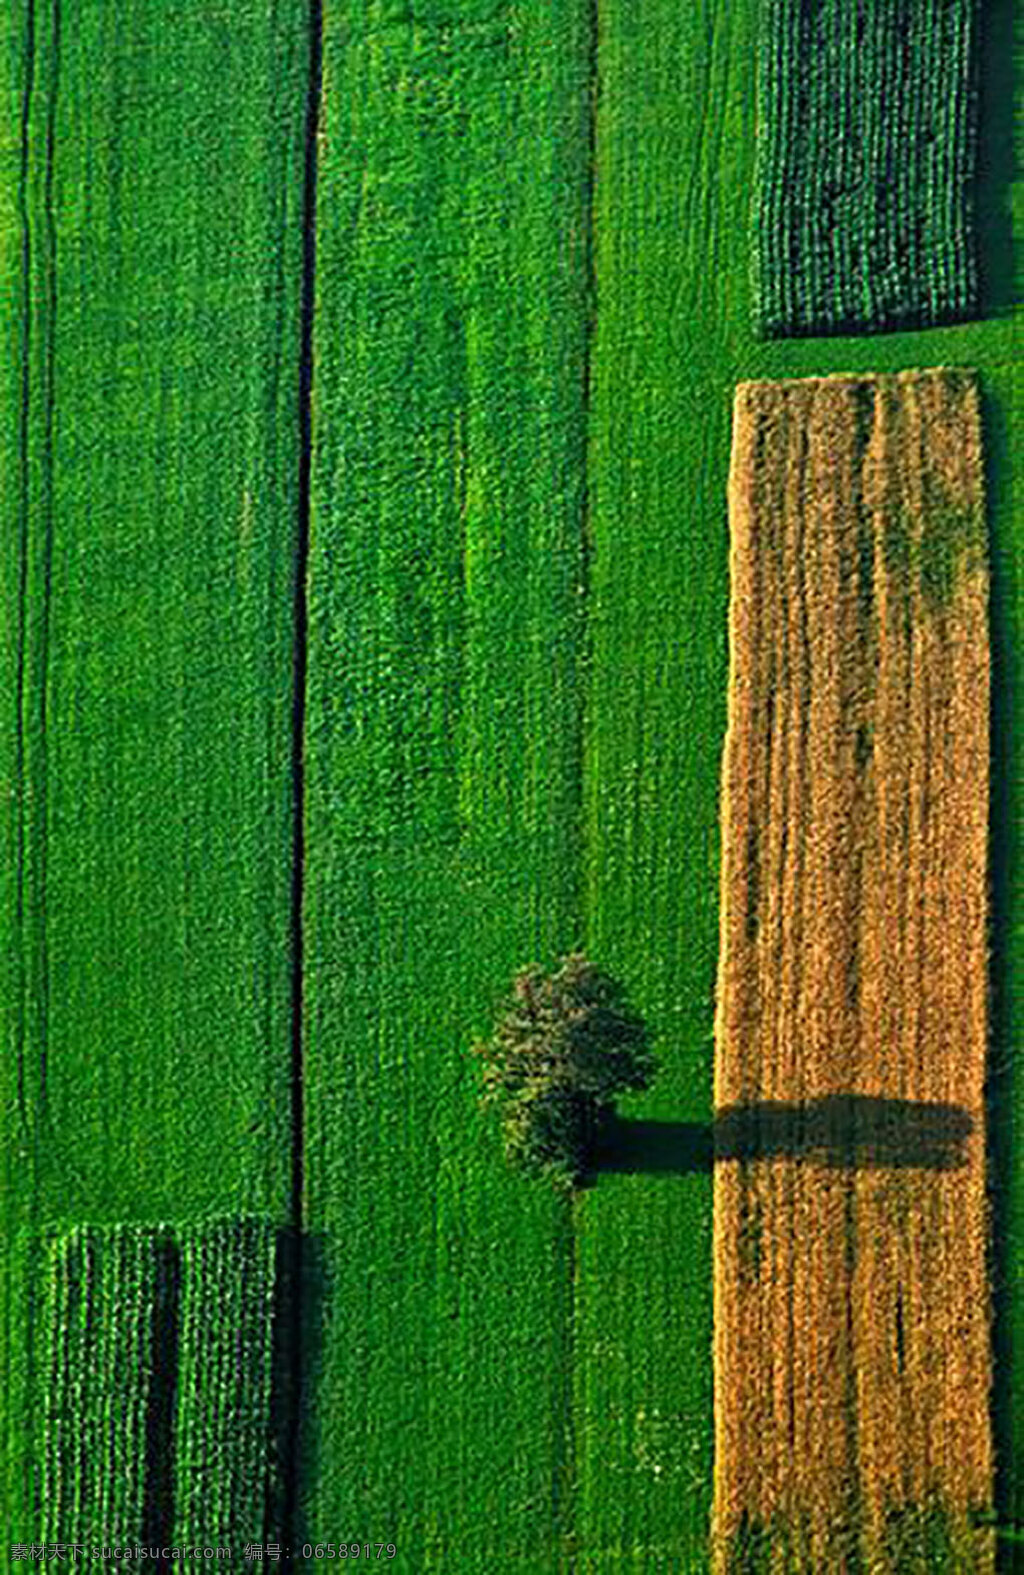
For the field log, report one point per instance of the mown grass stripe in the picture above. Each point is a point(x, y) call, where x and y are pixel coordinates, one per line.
point(100, 1461)
point(60, 1315)
point(189, 1437)
point(863, 199)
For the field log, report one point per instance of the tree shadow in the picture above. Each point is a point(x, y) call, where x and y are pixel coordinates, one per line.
point(996, 158)
point(838, 1131)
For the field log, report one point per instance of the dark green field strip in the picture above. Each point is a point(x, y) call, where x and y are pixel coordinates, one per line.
point(222, 1472)
point(97, 1341)
point(866, 160)
point(698, 322)
point(150, 188)
point(153, 1404)
point(442, 765)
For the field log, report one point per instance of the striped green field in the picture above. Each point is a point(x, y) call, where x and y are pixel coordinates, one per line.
point(223, 1492)
point(443, 811)
point(459, 713)
point(100, 1384)
point(863, 207)
point(532, 303)
point(150, 269)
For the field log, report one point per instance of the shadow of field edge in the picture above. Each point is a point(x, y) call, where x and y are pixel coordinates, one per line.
point(297, 1350)
point(999, 1087)
point(158, 1465)
point(995, 155)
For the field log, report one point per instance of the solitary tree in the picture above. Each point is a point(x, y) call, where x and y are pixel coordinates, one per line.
point(563, 1047)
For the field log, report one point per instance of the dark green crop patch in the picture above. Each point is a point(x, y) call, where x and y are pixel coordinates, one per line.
point(865, 162)
point(156, 1385)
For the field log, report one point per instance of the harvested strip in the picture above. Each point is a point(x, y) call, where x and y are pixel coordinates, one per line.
point(852, 1363)
point(865, 163)
point(222, 1464)
point(104, 1288)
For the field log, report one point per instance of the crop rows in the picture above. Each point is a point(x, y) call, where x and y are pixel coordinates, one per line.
point(156, 1414)
point(98, 1332)
point(852, 1358)
point(866, 155)
point(222, 1441)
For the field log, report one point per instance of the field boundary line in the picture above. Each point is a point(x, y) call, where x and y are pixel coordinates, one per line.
point(307, 313)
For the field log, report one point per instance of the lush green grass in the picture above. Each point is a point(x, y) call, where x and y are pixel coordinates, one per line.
point(442, 764)
point(515, 708)
point(866, 140)
point(150, 252)
point(1005, 420)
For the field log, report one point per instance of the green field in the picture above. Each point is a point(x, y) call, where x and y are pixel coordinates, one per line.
point(155, 1362)
point(440, 1358)
point(532, 302)
point(97, 1342)
point(443, 822)
point(150, 258)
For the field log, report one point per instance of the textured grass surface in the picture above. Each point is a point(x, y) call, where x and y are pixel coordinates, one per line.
point(148, 444)
point(852, 1360)
point(443, 786)
point(866, 159)
point(149, 267)
point(445, 682)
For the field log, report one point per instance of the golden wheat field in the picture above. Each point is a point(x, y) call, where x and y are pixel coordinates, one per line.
point(852, 1366)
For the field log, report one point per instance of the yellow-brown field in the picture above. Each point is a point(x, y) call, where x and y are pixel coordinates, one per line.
point(852, 1366)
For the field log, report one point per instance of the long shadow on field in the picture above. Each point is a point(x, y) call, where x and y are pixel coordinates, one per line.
point(996, 157)
point(298, 1305)
point(1000, 1088)
point(844, 1131)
